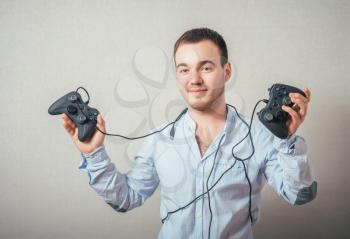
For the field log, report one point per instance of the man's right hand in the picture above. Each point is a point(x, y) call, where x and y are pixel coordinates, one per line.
point(89, 145)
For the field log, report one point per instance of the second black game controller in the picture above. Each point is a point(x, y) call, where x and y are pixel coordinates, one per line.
point(272, 115)
point(83, 116)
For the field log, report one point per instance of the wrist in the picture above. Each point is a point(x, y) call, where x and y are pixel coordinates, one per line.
point(93, 151)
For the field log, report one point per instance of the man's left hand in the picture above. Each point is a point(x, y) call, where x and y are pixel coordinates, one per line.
point(298, 111)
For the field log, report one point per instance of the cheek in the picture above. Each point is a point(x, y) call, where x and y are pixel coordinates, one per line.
point(181, 85)
point(181, 82)
point(214, 80)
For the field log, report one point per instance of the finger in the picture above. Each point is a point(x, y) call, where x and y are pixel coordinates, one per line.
point(307, 93)
point(66, 119)
point(296, 107)
point(71, 124)
point(303, 112)
point(299, 102)
point(295, 118)
point(101, 122)
point(301, 107)
point(70, 130)
point(75, 135)
point(298, 96)
point(68, 123)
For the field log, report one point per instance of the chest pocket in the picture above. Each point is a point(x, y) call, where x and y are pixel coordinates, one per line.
point(230, 171)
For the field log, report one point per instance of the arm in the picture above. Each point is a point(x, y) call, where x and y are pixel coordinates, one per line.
point(286, 167)
point(122, 192)
point(287, 170)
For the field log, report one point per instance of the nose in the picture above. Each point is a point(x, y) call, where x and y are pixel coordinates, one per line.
point(196, 78)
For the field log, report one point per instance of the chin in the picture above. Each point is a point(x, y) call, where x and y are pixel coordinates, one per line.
point(199, 105)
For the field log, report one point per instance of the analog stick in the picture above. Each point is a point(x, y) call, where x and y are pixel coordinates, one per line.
point(268, 116)
point(72, 109)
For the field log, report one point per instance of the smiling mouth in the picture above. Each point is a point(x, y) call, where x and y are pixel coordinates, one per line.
point(198, 92)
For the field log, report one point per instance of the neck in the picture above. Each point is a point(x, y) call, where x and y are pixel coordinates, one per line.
point(215, 113)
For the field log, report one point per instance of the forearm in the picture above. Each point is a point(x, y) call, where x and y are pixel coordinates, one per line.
point(108, 182)
point(292, 175)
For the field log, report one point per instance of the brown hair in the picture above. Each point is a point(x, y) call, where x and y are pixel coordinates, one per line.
point(199, 34)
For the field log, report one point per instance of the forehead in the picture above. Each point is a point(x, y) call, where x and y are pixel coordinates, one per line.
point(192, 53)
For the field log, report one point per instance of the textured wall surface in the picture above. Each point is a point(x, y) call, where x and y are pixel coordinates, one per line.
point(121, 51)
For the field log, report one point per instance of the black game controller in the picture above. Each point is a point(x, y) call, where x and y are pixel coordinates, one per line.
point(84, 117)
point(272, 116)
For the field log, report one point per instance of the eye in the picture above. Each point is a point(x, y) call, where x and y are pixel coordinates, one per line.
point(183, 71)
point(207, 68)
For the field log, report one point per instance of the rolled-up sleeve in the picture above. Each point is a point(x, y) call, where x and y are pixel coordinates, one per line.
point(287, 170)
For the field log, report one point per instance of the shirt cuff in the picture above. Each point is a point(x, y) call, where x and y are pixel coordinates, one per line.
point(293, 153)
point(92, 154)
point(287, 145)
point(96, 156)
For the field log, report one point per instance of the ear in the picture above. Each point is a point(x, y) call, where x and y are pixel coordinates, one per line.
point(227, 71)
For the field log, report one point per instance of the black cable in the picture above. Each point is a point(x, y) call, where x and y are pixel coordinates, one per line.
point(202, 194)
point(122, 136)
point(87, 93)
point(251, 155)
point(207, 184)
point(236, 159)
point(154, 132)
point(138, 137)
point(212, 168)
point(250, 192)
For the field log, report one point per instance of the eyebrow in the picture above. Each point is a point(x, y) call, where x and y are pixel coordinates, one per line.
point(201, 63)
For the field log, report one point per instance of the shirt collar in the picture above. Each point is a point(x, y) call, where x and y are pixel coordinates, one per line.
point(229, 124)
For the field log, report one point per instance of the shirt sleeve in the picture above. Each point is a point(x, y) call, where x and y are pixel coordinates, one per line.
point(287, 170)
point(122, 192)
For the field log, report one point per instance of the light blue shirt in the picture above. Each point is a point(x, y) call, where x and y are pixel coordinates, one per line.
point(180, 170)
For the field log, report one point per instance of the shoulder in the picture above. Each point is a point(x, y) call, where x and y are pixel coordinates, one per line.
point(257, 129)
point(154, 138)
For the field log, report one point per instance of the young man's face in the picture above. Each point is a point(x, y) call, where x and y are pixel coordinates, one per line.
point(200, 76)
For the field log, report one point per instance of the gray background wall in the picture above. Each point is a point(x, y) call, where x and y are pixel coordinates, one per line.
point(48, 48)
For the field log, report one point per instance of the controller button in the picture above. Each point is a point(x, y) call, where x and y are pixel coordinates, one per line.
point(73, 98)
point(72, 109)
point(81, 119)
point(286, 101)
point(268, 117)
point(279, 94)
point(95, 113)
point(277, 88)
point(274, 104)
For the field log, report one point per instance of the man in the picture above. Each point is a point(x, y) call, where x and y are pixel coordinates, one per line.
point(198, 154)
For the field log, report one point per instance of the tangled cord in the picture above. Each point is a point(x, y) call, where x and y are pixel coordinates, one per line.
point(208, 189)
